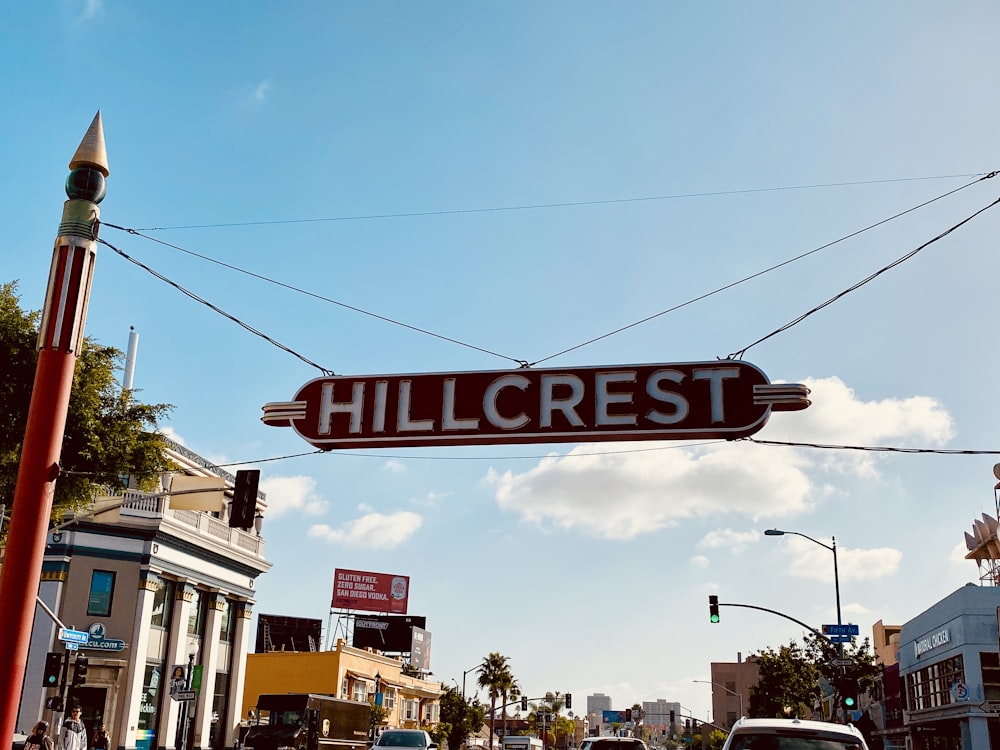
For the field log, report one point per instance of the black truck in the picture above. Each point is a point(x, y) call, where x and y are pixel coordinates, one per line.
point(308, 721)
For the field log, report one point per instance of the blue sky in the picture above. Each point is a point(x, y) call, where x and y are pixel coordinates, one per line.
point(523, 178)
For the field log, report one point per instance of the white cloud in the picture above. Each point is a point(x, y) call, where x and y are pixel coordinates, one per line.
point(394, 465)
point(260, 92)
point(734, 541)
point(373, 531)
point(700, 561)
point(292, 494)
point(91, 8)
point(814, 562)
point(597, 491)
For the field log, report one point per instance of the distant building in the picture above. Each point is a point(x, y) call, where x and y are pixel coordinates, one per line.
point(731, 683)
point(656, 715)
point(346, 672)
point(597, 704)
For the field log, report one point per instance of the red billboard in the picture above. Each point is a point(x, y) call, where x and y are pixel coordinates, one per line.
point(370, 592)
point(726, 399)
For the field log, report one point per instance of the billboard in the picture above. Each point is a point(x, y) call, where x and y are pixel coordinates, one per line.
point(612, 717)
point(278, 633)
point(386, 632)
point(370, 592)
point(420, 650)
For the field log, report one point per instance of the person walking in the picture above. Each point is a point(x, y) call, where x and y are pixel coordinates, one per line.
point(38, 740)
point(73, 735)
point(101, 739)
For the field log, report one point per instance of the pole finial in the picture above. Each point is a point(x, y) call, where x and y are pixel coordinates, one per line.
point(92, 152)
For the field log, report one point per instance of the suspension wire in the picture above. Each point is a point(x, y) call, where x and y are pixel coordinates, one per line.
point(565, 204)
point(760, 273)
point(139, 233)
point(220, 311)
point(898, 261)
point(875, 448)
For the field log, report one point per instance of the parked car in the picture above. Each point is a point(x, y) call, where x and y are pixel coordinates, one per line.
point(789, 734)
point(415, 739)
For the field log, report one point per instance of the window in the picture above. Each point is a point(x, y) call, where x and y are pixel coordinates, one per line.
point(931, 686)
point(344, 689)
point(360, 692)
point(196, 615)
point(990, 663)
point(102, 586)
point(228, 624)
point(410, 709)
point(388, 698)
point(163, 600)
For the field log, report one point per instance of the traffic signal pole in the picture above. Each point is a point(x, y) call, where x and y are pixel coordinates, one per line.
point(59, 342)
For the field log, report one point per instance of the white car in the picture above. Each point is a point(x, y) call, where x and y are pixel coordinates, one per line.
point(612, 743)
point(413, 739)
point(786, 734)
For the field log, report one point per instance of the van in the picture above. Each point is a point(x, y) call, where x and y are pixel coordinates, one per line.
point(512, 742)
point(308, 721)
point(612, 743)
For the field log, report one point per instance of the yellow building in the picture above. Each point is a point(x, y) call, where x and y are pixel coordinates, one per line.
point(345, 672)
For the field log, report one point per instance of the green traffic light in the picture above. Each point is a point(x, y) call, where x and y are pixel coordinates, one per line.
point(849, 702)
point(714, 618)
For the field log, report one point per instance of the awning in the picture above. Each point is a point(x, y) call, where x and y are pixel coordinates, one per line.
point(358, 676)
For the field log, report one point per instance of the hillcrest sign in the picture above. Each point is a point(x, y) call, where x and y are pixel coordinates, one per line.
point(725, 399)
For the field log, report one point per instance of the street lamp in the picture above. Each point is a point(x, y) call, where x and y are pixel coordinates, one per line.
point(833, 548)
point(465, 672)
point(731, 692)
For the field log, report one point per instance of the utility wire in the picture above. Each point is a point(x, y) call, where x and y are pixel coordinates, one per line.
point(566, 204)
point(219, 310)
point(898, 261)
point(875, 448)
point(138, 233)
point(759, 273)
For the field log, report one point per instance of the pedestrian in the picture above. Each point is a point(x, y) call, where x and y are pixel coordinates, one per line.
point(101, 739)
point(38, 740)
point(73, 735)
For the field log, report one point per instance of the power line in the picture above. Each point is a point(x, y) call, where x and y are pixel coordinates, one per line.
point(876, 448)
point(565, 204)
point(858, 285)
point(752, 276)
point(217, 309)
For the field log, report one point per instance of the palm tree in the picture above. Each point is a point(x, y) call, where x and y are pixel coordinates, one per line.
point(494, 676)
point(510, 690)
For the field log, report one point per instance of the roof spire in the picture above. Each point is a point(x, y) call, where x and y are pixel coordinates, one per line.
point(91, 152)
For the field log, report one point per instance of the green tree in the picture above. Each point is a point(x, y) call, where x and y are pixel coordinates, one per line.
point(459, 718)
point(510, 690)
point(861, 672)
point(788, 684)
point(378, 716)
point(494, 676)
point(109, 436)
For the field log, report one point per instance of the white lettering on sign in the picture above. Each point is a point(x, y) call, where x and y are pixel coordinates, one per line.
point(934, 640)
point(728, 400)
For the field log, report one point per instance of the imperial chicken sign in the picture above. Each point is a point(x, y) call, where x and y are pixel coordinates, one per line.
point(726, 399)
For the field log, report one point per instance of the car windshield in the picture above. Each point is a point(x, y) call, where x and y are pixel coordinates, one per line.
point(401, 739)
point(771, 741)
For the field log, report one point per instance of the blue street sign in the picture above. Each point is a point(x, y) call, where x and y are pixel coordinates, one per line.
point(845, 629)
point(73, 636)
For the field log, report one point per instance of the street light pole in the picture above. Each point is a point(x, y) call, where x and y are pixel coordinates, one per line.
point(836, 573)
point(731, 692)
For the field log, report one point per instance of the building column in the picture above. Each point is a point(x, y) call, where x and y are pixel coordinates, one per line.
point(127, 718)
point(237, 678)
point(166, 731)
point(209, 659)
point(975, 732)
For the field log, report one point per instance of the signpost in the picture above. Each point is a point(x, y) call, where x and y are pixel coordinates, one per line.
point(73, 636)
point(845, 629)
point(842, 662)
point(990, 707)
point(184, 695)
point(727, 399)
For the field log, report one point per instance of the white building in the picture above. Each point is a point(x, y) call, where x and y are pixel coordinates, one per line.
point(156, 588)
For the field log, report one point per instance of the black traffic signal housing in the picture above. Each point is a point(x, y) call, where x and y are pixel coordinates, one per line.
point(628, 714)
point(673, 716)
point(80, 670)
point(54, 703)
point(713, 608)
point(53, 669)
point(524, 703)
point(244, 499)
point(569, 700)
point(847, 689)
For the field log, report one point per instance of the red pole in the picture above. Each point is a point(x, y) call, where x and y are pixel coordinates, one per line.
point(59, 341)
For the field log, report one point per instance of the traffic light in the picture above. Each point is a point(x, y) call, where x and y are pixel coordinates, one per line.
point(848, 690)
point(673, 716)
point(244, 499)
point(54, 703)
point(80, 670)
point(569, 700)
point(524, 703)
point(628, 714)
point(53, 669)
point(713, 608)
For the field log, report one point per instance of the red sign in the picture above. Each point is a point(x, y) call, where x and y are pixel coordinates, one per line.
point(694, 400)
point(370, 592)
